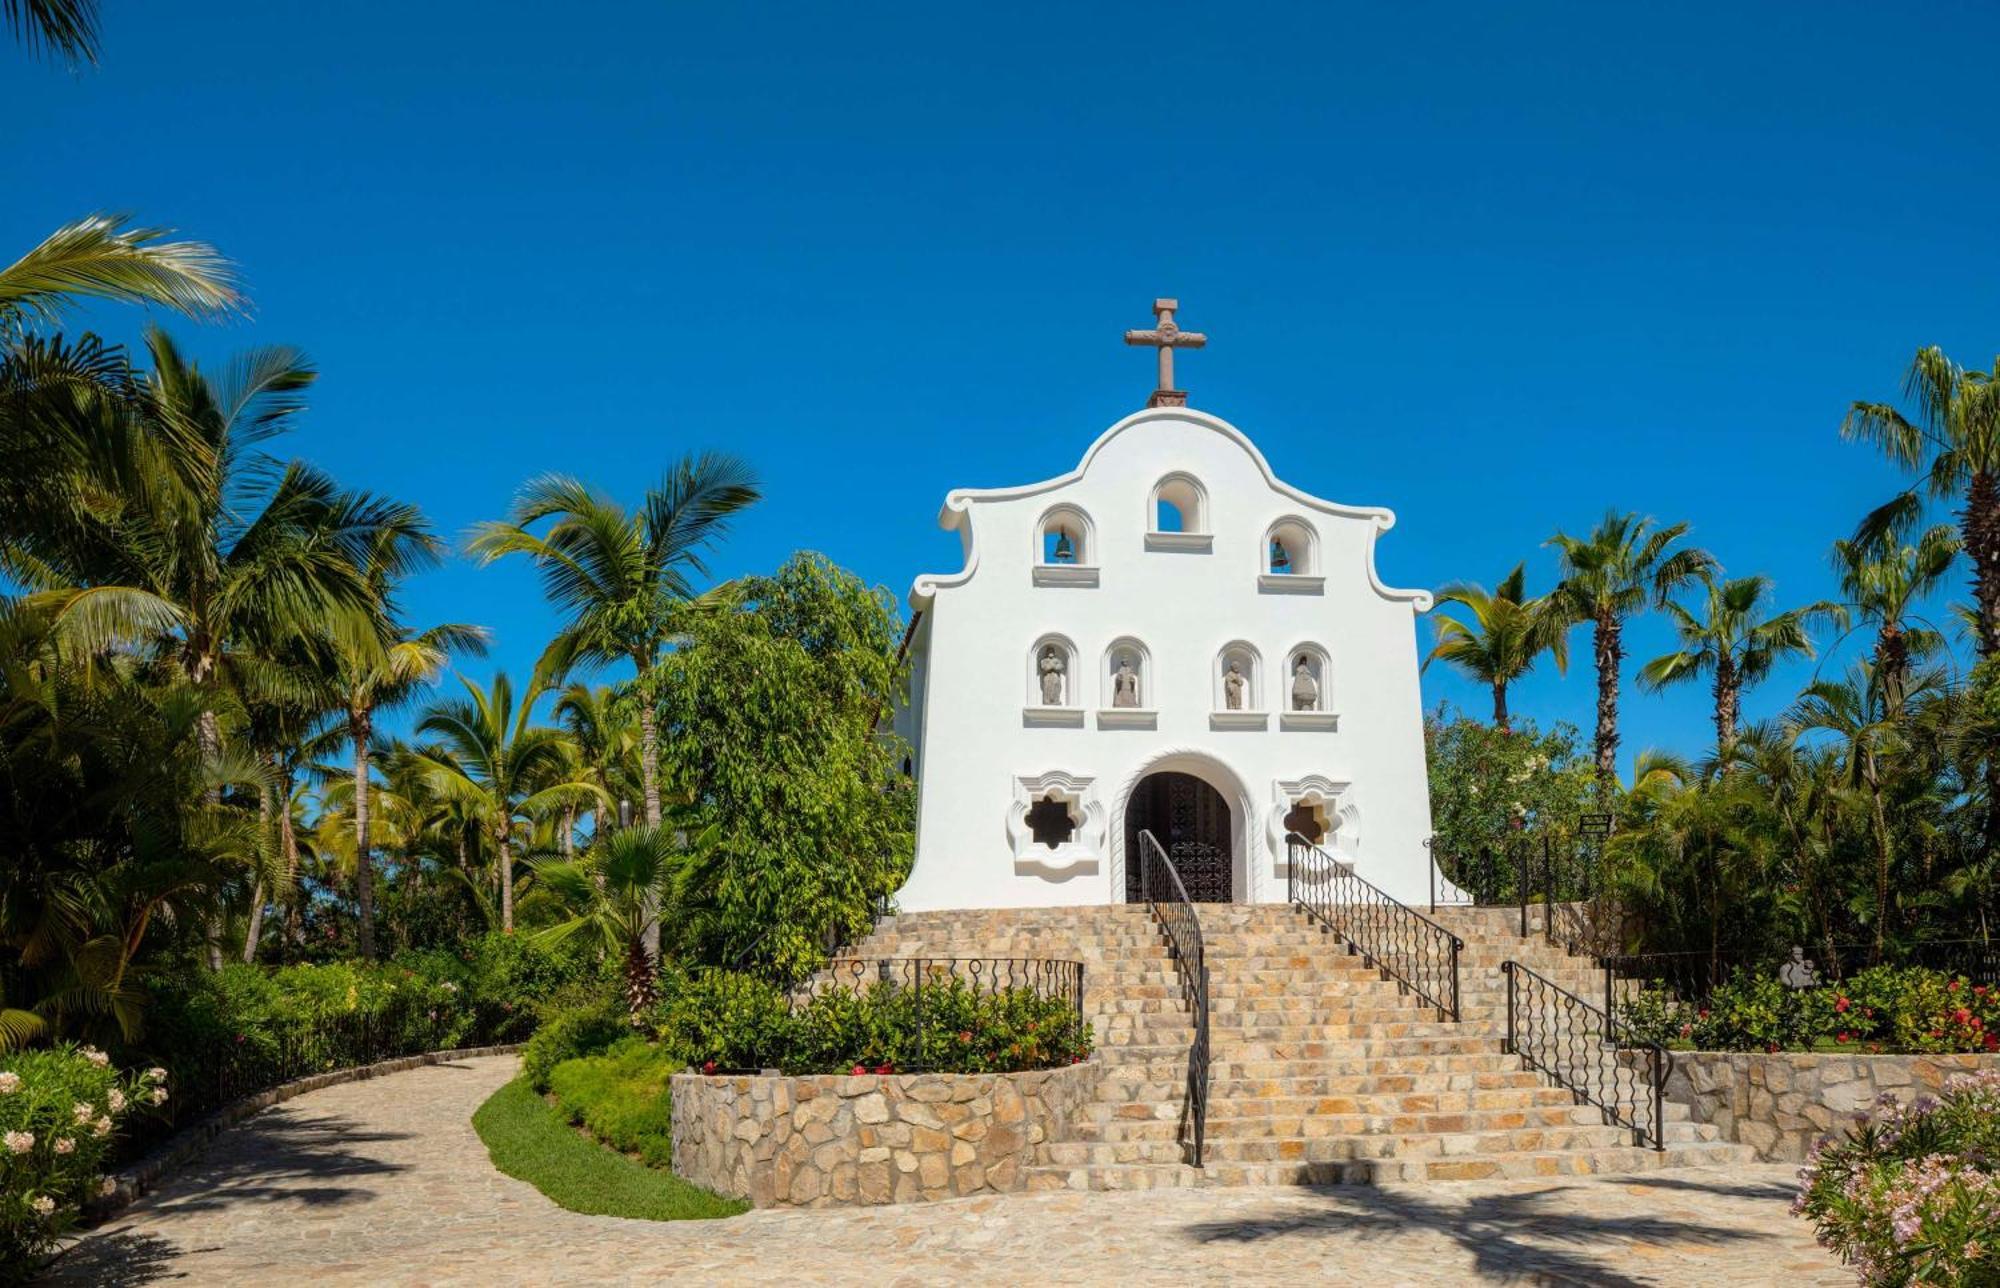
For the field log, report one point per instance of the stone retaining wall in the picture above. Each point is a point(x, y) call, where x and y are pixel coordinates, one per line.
point(827, 1139)
point(1780, 1104)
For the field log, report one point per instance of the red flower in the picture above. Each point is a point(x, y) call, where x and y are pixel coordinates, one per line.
point(1841, 1004)
point(708, 1066)
point(1772, 1048)
point(1992, 1042)
point(965, 1035)
point(859, 1069)
point(1953, 986)
point(1874, 1048)
point(1843, 1036)
point(1962, 1015)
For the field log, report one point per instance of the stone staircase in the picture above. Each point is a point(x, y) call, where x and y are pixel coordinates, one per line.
point(1322, 1072)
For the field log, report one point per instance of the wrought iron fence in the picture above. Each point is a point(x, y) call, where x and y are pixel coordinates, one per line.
point(1694, 976)
point(1169, 901)
point(1580, 1047)
point(937, 997)
point(1393, 937)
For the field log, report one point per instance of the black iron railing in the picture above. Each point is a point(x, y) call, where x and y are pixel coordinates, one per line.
point(1169, 900)
point(934, 1002)
point(1396, 939)
point(1693, 976)
point(1580, 1047)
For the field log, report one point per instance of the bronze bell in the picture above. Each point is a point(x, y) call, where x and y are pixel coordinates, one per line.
point(1065, 551)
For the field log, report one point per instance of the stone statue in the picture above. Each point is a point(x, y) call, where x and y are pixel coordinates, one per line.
point(1305, 689)
point(1233, 685)
point(1052, 669)
point(1125, 685)
point(1798, 970)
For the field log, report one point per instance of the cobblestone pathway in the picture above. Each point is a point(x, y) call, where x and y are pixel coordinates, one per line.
point(384, 1182)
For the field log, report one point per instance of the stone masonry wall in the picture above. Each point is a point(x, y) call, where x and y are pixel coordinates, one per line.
point(1780, 1104)
point(828, 1139)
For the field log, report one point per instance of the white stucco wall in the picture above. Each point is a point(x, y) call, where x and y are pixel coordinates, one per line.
point(973, 715)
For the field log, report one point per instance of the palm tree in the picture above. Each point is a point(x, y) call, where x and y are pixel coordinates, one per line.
point(611, 895)
point(489, 759)
point(1882, 579)
point(1954, 442)
point(1508, 633)
point(1736, 641)
point(625, 578)
point(601, 726)
point(64, 27)
point(1623, 565)
point(377, 676)
point(100, 257)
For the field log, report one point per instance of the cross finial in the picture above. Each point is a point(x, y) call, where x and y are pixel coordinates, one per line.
point(1166, 336)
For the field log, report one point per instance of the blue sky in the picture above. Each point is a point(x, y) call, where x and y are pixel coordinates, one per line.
point(1497, 268)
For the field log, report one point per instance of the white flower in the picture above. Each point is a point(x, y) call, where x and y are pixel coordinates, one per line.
point(102, 1127)
point(83, 1112)
point(10, 1083)
point(96, 1057)
point(106, 1187)
point(159, 1095)
point(44, 1206)
point(116, 1100)
point(64, 1145)
point(19, 1142)
point(156, 1074)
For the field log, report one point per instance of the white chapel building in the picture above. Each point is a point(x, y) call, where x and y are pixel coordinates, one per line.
point(1167, 638)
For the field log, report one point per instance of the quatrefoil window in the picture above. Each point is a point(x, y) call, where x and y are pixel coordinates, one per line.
point(1050, 822)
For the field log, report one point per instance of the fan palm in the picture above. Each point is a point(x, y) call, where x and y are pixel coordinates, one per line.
point(1735, 640)
point(1623, 565)
point(1953, 440)
point(1882, 580)
point(488, 760)
point(1505, 636)
point(616, 889)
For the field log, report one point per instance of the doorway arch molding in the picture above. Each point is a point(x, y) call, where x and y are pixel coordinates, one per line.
point(1212, 769)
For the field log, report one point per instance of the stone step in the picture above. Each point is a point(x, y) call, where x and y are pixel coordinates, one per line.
point(1219, 1150)
point(1314, 1126)
point(1274, 1106)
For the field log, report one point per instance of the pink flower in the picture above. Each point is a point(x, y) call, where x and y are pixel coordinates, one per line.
point(82, 1112)
point(44, 1206)
point(10, 1082)
point(64, 1145)
point(18, 1142)
point(106, 1187)
point(96, 1057)
point(116, 1100)
point(159, 1096)
point(102, 1127)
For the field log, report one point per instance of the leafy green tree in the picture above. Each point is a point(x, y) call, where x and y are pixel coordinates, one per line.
point(1733, 638)
point(1623, 565)
point(1489, 785)
point(1506, 635)
point(770, 716)
point(489, 759)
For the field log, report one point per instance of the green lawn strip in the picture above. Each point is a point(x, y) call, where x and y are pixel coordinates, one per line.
point(528, 1140)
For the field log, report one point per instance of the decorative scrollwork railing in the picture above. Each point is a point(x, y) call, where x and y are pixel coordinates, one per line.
point(934, 993)
point(1169, 900)
point(1391, 936)
point(1580, 1047)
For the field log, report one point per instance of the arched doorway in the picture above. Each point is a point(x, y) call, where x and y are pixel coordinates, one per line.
point(1190, 820)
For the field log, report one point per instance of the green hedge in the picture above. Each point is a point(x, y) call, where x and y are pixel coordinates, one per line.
point(622, 1097)
point(1883, 1008)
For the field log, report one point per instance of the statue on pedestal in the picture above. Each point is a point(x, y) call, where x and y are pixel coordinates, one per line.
point(1798, 970)
point(1305, 689)
point(1233, 687)
point(1052, 669)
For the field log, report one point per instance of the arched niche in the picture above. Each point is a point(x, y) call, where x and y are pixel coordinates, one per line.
point(1062, 679)
point(1065, 551)
point(1118, 706)
point(1177, 514)
point(1308, 704)
point(1249, 664)
point(1291, 548)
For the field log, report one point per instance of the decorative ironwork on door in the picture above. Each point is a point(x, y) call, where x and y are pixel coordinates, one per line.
point(1192, 822)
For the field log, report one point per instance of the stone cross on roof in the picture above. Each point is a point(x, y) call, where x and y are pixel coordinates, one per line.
point(1167, 337)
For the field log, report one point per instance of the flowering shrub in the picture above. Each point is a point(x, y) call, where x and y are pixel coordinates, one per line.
point(1883, 1008)
point(1909, 1195)
point(59, 1109)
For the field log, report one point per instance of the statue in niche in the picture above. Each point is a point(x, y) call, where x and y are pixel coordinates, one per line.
point(1798, 970)
point(1052, 668)
point(1305, 689)
point(1234, 685)
point(1125, 685)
